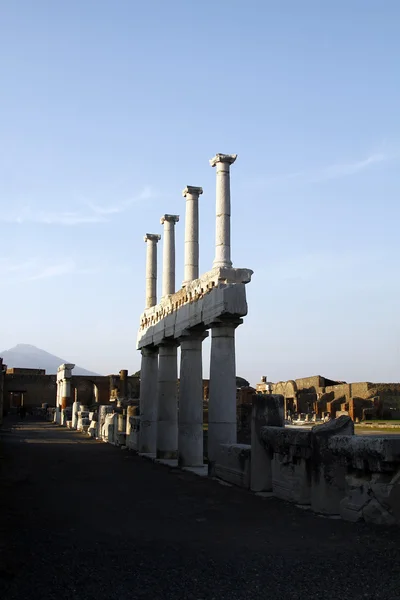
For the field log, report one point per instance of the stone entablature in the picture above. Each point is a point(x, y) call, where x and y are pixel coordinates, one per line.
point(195, 291)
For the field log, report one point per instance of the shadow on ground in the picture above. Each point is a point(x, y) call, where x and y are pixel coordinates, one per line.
point(84, 520)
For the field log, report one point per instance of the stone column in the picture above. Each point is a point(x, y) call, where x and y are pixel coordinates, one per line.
point(167, 388)
point(65, 393)
point(223, 209)
point(190, 428)
point(191, 233)
point(168, 281)
point(222, 400)
point(151, 268)
point(148, 401)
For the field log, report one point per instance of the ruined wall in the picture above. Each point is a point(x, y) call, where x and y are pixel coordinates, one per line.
point(36, 389)
point(306, 383)
point(83, 387)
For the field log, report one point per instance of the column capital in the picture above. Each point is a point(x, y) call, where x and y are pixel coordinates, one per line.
point(192, 191)
point(224, 158)
point(170, 218)
point(194, 334)
point(152, 237)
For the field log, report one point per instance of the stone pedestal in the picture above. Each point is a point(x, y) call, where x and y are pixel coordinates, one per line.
point(222, 162)
point(167, 421)
point(191, 233)
point(222, 401)
point(190, 428)
point(148, 400)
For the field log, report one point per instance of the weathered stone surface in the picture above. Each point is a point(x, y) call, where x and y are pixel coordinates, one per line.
point(233, 464)
point(218, 293)
point(328, 474)
point(291, 479)
point(374, 512)
point(267, 410)
point(341, 426)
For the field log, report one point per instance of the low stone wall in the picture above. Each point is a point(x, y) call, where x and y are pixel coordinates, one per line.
point(332, 471)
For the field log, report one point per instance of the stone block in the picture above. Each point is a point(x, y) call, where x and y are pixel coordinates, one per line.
point(374, 512)
point(356, 498)
point(132, 438)
point(328, 473)
point(267, 410)
point(233, 464)
point(291, 480)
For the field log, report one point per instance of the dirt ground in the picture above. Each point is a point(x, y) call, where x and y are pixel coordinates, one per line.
point(84, 520)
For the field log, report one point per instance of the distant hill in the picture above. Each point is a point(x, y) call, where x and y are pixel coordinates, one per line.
point(26, 356)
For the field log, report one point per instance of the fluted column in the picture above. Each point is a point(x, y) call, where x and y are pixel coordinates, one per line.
point(151, 268)
point(148, 401)
point(191, 233)
point(222, 400)
point(167, 395)
point(190, 425)
point(168, 280)
point(223, 209)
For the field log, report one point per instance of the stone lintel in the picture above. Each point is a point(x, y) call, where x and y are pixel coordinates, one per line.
point(192, 190)
point(170, 218)
point(224, 158)
point(153, 237)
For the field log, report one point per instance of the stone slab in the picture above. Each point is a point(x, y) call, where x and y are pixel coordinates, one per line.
point(233, 464)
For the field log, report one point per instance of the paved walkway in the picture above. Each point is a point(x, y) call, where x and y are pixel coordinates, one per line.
point(84, 520)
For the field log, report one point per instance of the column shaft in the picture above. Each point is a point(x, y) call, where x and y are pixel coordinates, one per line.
point(190, 428)
point(191, 233)
point(222, 400)
point(151, 268)
point(168, 281)
point(223, 210)
point(148, 401)
point(65, 393)
point(167, 423)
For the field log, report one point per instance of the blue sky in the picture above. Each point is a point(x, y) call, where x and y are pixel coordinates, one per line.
point(110, 108)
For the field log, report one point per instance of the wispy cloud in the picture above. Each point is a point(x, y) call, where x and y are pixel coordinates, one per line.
point(330, 172)
point(112, 209)
point(35, 269)
point(93, 213)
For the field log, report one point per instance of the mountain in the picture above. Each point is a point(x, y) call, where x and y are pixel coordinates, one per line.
point(26, 356)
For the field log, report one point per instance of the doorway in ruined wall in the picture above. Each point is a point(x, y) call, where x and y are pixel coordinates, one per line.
point(85, 392)
point(290, 405)
point(17, 399)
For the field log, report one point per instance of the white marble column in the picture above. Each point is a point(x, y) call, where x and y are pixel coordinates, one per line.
point(151, 268)
point(167, 388)
point(148, 401)
point(168, 280)
point(190, 419)
point(223, 209)
point(222, 392)
point(191, 233)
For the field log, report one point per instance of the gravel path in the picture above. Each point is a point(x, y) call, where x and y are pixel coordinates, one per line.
point(84, 520)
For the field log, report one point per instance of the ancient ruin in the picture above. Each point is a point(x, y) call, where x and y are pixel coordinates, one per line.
point(215, 300)
point(297, 440)
point(315, 397)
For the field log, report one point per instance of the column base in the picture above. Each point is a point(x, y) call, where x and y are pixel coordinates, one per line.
point(168, 462)
point(167, 455)
point(218, 264)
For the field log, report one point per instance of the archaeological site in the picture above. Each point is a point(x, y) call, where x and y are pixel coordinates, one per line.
point(296, 440)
